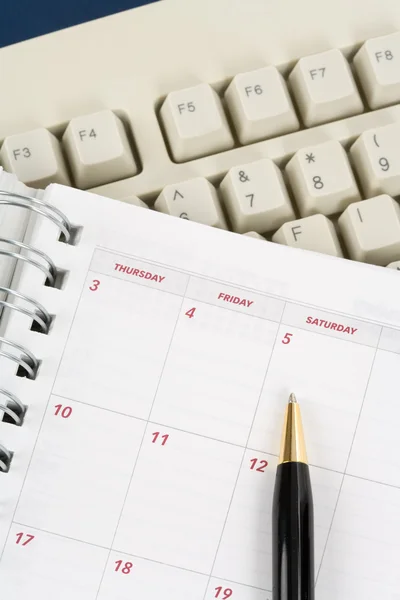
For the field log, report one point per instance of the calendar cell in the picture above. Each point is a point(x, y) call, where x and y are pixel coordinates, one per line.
point(36, 564)
point(358, 538)
point(245, 551)
point(80, 471)
point(375, 452)
point(117, 346)
point(127, 577)
point(178, 499)
point(214, 372)
point(329, 377)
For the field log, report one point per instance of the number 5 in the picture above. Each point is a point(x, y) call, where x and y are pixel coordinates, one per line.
point(286, 338)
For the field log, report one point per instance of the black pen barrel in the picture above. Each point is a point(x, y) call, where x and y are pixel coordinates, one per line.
point(293, 533)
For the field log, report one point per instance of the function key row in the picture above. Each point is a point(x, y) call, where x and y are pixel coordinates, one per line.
point(260, 105)
point(97, 147)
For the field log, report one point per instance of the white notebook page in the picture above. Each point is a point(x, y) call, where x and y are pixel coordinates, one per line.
point(146, 464)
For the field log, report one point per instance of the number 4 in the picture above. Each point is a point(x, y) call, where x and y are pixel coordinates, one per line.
point(190, 313)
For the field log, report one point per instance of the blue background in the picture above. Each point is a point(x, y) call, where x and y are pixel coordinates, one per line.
point(24, 19)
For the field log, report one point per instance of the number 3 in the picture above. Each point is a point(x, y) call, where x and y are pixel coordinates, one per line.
point(95, 285)
point(287, 338)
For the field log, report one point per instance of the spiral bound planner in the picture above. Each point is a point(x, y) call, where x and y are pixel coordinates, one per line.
point(145, 364)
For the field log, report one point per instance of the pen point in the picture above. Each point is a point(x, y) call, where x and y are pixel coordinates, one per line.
point(292, 398)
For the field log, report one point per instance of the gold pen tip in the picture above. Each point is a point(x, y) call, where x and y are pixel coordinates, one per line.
point(292, 446)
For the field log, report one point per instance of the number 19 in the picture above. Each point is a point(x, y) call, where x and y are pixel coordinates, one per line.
point(223, 593)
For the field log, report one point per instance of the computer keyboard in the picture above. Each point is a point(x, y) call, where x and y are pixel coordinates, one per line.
point(279, 121)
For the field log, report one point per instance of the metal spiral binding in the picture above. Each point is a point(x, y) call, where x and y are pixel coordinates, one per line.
point(45, 209)
point(49, 269)
point(40, 315)
point(5, 459)
point(11, 408)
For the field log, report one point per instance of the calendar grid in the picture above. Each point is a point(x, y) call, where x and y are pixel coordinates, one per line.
point(348, 458)
point(243, 455)
point(245, 438)
point(214, 439)
point(131, 555)
point(250, 289)
point(42, 419)
point(141, 442)
point(278, 322)
point(285, 302)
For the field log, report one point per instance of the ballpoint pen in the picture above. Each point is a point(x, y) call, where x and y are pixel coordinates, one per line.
point(292, 515)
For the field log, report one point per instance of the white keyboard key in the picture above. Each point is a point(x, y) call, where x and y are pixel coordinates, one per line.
point(255, 197)
point(255, 235)
point(98, 149)
point(378, 67)
point(128, 198)
point(376, 156)
point(35, 157)
point(322, 180)
point(371, 230)
point(134, 200)
point(260, 105)
point(195, 200)
point(324, 88)
point(195, 123)
point(395, 265)
point(315, 233)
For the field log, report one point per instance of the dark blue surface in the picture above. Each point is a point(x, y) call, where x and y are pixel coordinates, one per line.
point(24, 19)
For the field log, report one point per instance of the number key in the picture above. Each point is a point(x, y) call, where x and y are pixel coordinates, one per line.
point(322, 180)
point(256, 197)
point(324, 88)
point(194, 200)
point(376, 156)
point(371, 230)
